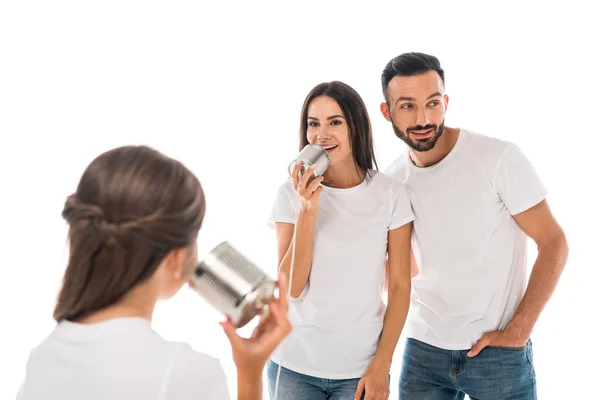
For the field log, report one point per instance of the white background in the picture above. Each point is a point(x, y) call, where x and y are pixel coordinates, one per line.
point(220, 87)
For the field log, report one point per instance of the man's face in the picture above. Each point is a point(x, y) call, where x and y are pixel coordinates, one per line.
point(416, 107)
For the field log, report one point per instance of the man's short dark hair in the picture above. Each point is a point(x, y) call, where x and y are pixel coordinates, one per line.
point(409, 64)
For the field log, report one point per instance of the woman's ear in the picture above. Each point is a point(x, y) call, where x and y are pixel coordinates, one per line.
point(174, 263)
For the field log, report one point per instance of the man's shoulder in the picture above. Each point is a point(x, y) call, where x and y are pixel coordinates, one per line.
point(485, 145)
point(397, 168)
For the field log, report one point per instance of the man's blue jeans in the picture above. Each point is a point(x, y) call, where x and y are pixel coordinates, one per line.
point(496, 373)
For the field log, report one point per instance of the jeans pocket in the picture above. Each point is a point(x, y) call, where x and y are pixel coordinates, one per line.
point(516, 349)
point(530, 361)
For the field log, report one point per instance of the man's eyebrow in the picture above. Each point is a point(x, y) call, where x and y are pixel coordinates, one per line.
point(405, 98)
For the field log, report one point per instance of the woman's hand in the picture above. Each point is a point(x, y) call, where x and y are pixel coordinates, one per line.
point(250, 355)
point(308, 190)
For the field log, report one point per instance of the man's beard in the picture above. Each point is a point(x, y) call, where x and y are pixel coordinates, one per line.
point(420, 144)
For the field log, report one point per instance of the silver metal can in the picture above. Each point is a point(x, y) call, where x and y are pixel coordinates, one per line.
point(309, 155)
point(233, 284)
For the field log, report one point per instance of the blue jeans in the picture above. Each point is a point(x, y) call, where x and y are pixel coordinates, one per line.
point(496, 373)
point(296, 386)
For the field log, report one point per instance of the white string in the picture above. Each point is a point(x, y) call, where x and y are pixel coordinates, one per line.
point(289, 293)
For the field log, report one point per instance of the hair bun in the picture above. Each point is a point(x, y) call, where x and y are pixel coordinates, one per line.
point(76, 211)
point(84, 215)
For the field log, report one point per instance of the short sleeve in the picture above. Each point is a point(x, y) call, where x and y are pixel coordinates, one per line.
point(21, 393)
point(283, 209)
point(402, 212)
point(517, 181)
point(192, 376)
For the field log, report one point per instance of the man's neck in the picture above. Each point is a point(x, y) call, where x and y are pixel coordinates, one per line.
point(442, 148)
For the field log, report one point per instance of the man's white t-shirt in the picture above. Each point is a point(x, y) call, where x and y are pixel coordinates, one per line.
point(470, 251)
point(338, 318)
point(119, 359)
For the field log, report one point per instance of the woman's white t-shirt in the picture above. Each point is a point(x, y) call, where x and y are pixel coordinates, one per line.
point(119, 359)
point(338, 318)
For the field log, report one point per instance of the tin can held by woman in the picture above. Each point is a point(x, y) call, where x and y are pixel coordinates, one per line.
point(233, 284)
point(309, 155)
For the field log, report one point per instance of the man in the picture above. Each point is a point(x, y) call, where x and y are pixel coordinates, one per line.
point(476, 200)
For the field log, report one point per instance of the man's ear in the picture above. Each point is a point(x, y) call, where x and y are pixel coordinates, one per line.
point(385, 110)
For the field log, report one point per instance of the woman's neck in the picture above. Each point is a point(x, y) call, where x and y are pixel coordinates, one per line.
point(343, 175)
point(137, 303)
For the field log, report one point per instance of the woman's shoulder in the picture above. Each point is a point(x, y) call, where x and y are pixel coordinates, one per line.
point(186, 355)
point(287, 185)
point(286, 189)
point(137, 347)
point(383, 181)
point(192, 370)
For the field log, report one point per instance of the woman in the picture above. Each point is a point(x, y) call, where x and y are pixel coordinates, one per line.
point(343, 224)
point(133, 225)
